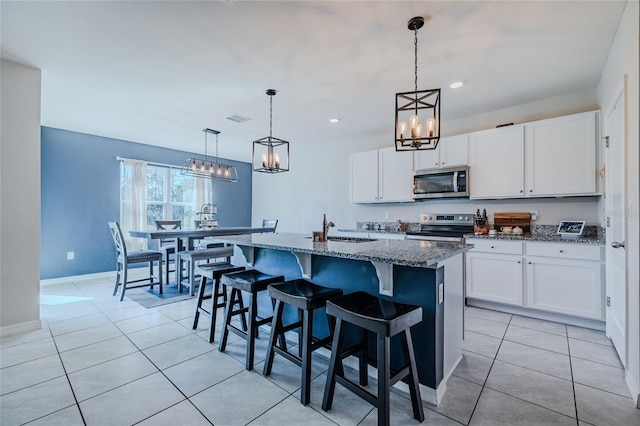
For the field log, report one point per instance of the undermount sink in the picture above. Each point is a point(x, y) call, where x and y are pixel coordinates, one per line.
point(351, 239)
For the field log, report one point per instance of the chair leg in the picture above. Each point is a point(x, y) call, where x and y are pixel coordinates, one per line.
point(276, 330)
point(215, 295)
point(412, 380)
point(160, 275)
point(124, 283)
point(363, 366)
point(118, 278)
point(252, 332)
point(201, 298)
point(384, 376)
point(307, 339)
point(335, 365)
point(228, 313)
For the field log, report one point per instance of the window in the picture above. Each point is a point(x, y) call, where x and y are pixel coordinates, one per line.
point(170, 196)
point(155, 192)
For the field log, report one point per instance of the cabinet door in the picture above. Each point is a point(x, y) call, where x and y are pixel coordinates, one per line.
point(496, 163)
point(494, 277)
point(451, 151)
point(427, 159)
point(395, 176)
point(561, 156)
point(364, 177)
point(572, 287)
point(454, 150)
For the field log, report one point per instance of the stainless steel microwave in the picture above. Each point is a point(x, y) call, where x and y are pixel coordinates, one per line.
point(449, 182)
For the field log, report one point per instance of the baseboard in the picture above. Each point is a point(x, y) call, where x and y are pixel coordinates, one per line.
point(9, 330)
point(108, 274)
point(633, 388)
point(534, 313)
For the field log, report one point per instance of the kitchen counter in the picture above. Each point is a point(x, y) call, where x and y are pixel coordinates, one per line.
point(420, 254)
point(547, 233)
point(422, 273)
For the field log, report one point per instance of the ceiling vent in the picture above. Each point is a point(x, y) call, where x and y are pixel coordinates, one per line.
point(237, 118)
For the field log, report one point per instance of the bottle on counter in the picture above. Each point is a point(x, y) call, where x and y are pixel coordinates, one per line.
point(325, 226)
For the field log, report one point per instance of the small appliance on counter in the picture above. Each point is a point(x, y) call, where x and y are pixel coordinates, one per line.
point(514, 223)
point(571, 228)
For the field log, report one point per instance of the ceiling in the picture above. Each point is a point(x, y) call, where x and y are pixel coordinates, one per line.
point(159, 72)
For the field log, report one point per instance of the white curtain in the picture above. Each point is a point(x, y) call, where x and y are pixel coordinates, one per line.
point(133, 197)
point(202, 195)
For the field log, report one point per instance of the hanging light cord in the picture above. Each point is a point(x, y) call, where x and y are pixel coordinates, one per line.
point(270, 116)
point(415, 46)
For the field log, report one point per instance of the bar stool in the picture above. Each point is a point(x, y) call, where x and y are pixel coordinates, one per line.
point(214, 272)
point(253, 282)
point(307, 297)
point(190, 257)
point(386, 319)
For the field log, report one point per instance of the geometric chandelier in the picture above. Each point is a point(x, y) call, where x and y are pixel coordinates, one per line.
point(417, 107)
point(270, 155)
point(205, 168)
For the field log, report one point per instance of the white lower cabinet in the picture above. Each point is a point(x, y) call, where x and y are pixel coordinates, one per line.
point(562, 278)
point(494, 277)
point(566, 279)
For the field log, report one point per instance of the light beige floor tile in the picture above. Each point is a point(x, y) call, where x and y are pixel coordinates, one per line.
point(459, 401)
point(96, 353)
point(152, 319)
point(536, 359)
point(473, 367)
point(481, 344)
point(291, 412)
point(132, 402)
point(35, 401)
point(176, 351)
point(483, 326)
point(537, 339)
point(157, 335)
point(595, 352)
point(28, 351)
point(538, 388)
point(69, 416)
point(540, 325)
point(588, 334)
point(497, 409)
point(600, 376)
point(603, 408)
point(29, 373)
point(183, 413)
point(221, 403)
point(487, 314)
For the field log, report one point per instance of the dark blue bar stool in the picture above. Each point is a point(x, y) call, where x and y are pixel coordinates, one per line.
point(307, 297)
point(253, 282)
point(386, 319)
point(214, 272)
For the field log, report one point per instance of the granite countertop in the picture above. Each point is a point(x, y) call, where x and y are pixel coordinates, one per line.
point(547, 233)
point(398, 252)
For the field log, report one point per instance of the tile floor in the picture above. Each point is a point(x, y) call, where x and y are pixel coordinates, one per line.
point(98, 361)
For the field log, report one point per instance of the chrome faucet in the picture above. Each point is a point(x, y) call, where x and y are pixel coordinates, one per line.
point(325, 227)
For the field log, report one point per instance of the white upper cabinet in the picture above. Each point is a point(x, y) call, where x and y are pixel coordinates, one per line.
point(363, 168)
point(561, 156)
point(451, 151)
point(547, 158)
point(496, 163)
point(381, 176)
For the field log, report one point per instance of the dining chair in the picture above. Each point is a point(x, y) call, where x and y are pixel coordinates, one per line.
point(124, 259)
point(270, 223)
point(169, 246)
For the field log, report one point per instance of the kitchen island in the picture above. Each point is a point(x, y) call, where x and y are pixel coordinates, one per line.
point(424, 273)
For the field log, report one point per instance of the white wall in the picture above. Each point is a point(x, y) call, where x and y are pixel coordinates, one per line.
point(19, 198)
point(623, 60)
point(319, 179)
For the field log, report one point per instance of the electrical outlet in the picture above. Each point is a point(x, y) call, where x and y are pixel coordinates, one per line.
point(387, 215)
point(70, 255)
point(534, 214)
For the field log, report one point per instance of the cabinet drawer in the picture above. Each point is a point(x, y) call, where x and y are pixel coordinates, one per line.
point(495, 246)
point(565, 251)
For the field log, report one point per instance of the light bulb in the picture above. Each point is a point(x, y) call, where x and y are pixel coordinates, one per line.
point(264, 160)
point(277, 161)
point(431, 127)
point(403, 129)
point(413, 121)
point(416, 132)
point(193, 165)
point(202, 167)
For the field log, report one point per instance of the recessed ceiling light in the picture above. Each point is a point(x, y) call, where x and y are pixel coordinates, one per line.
point(237, 118)
point(334, 120)
point(456, 84)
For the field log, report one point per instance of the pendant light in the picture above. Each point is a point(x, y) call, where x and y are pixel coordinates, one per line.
point(270, 155)
point(417, 108)
point(204, 168)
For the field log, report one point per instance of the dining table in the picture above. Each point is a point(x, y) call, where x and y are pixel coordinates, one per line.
point(188, 236)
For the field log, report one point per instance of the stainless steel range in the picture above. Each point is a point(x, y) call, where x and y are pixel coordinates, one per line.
point(443, 227)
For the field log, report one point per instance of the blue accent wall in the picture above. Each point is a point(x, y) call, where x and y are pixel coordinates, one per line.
point(81, 193)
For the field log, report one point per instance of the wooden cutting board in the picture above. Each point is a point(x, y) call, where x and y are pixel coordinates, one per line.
point(523, 220)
